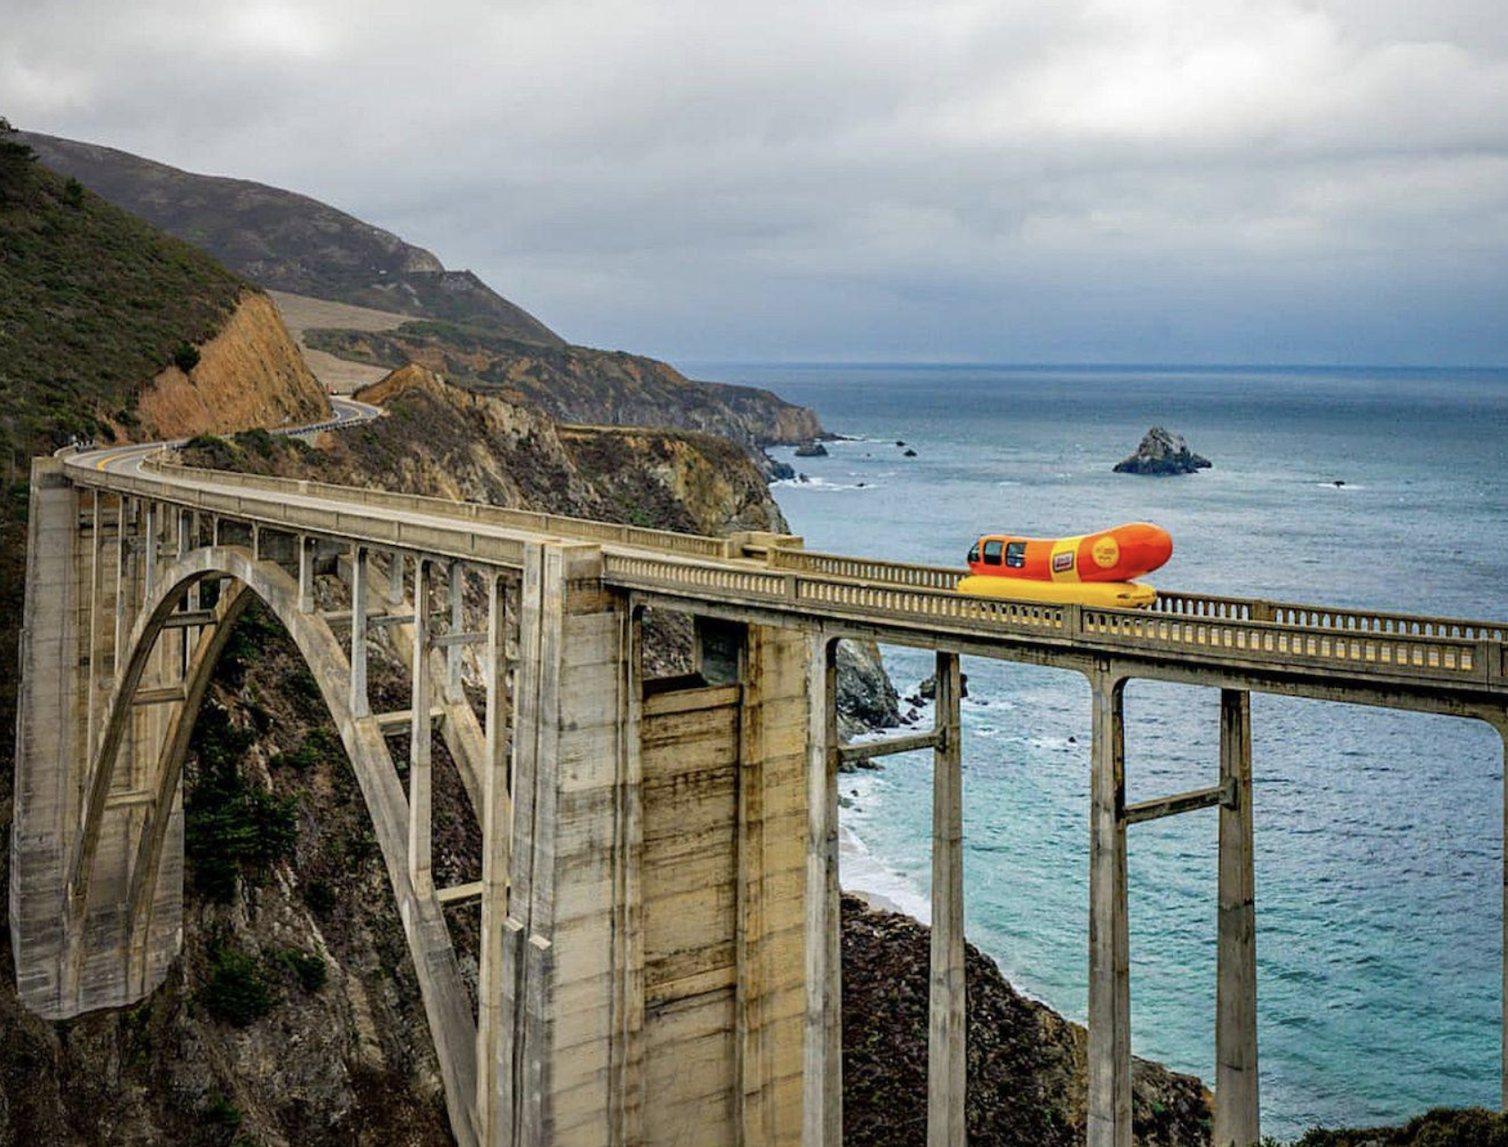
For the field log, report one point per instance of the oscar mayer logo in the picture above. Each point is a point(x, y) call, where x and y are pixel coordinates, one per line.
point(1106, 551)
point(1063, 562)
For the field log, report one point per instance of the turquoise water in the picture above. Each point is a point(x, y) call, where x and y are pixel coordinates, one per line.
point(1379, 834)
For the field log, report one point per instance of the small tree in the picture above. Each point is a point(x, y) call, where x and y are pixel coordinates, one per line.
point(185, 356)
point(16, 159)
point(73, 193)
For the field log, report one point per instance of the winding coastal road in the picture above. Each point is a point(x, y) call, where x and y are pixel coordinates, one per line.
point(128, 459)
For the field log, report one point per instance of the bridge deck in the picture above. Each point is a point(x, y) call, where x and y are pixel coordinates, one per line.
point(1447, 664)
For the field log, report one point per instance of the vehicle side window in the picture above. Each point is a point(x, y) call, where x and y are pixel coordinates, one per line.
point(1015, 554)
point(974, 552)
point(992, 552)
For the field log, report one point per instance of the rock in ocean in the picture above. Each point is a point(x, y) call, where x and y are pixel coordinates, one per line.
point(1162, 452)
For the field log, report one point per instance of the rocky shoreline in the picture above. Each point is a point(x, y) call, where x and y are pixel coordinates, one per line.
point(1026, 1063)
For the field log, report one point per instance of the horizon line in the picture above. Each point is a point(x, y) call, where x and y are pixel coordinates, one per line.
point(1008, 364)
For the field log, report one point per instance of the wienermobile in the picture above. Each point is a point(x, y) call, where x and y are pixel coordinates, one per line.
point(1091, 569)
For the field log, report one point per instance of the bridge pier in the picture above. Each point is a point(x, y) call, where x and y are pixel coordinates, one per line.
point(1109, 1114)
point(1237, 1110)
point(823, 1041)
point(50, 765)
point(947, 1014)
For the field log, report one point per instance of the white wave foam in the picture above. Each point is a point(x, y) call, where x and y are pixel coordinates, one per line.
point(861, 872)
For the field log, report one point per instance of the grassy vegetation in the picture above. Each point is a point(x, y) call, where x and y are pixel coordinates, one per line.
point(93, 303)
point(96, 303)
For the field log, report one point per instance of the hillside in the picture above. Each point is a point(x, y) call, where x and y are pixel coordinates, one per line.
point(577, 384)
point(280, 239)
point(291, 243)
point(97, 305)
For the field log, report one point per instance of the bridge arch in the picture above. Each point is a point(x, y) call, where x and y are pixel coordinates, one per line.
point(450, 1016)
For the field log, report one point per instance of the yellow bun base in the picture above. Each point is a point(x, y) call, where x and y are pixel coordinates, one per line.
point(1119, 594)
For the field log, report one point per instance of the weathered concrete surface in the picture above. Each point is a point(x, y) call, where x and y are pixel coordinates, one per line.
point(47, 753)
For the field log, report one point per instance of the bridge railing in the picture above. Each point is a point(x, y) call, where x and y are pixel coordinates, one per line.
point(1271, 643)
point(1210, 606)
point(865, 569)
point(1394, 654)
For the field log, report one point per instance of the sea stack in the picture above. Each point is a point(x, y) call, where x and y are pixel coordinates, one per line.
point(1162, 452)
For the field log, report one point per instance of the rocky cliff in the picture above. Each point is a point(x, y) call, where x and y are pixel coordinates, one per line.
point(1026, 1063)
point(249, 374)
point(578, 384)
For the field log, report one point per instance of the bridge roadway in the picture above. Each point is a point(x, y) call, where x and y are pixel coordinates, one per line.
point(780, 609)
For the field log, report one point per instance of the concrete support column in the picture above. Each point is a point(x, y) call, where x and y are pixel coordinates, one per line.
point(1237, 1118)
point(419, 772)
point(47, 727)
point(306, 553)
point(149, 541)
point(822, 1067)
point(1109, 928)
point(572, 794)
point(360, 705)
point(395, 578)
point(122, 580)
point(499, 950)
point(456, 588)
point(95, 597)
point(1502, 728)
point(771, 873)
point(947, 1018)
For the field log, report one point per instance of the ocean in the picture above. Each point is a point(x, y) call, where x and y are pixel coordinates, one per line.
point(1379, 835)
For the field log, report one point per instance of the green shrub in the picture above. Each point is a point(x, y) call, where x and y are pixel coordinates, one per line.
point(307, 967)
point(222, 1111)
point(73, 193)
point(319, 895)
point(185, 356)
point(238, 989)
point(231, 828)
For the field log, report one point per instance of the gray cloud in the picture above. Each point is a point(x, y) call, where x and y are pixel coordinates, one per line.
point(1064, 179)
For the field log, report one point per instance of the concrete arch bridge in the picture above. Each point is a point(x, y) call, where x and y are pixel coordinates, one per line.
point(659, 955)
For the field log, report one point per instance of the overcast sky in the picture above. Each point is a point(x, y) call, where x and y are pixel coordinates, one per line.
point(1022, 180)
